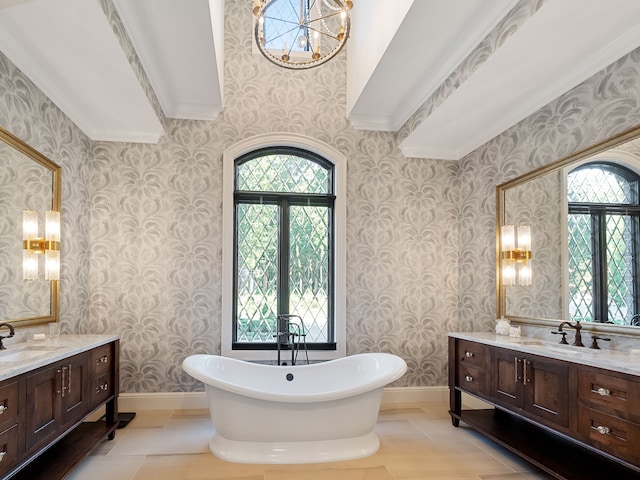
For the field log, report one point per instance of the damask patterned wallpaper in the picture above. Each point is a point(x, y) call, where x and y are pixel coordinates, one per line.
point(539, 204)
point(23, 185)
point(31, 116)
point(606, 104)
point(142, 223)
point(156, 238)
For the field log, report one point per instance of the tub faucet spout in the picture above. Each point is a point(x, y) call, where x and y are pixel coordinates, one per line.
point(11, 334)
point(577, 342)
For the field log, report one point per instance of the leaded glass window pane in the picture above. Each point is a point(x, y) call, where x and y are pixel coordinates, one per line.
point(603, 244)
point(598, 185)
point(619, 268)
point(283, 173)
point(309, 269)
point(256, 298)
point(580, 268)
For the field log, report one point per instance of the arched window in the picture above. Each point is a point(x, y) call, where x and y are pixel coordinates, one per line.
point(603, 240)
point(283, 246)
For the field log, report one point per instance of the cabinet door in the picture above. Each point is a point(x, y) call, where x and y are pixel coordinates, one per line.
point(506, 381)
point(43, 406)
point(75, 395)
point(546, 389)
point(533, 384)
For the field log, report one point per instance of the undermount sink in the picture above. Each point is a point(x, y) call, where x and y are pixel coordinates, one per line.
point(568, 349)
point(27, 352)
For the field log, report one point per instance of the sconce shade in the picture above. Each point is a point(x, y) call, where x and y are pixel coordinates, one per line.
point(49, 245)
point(508, 238)
point(515, 246)
point(29, 225)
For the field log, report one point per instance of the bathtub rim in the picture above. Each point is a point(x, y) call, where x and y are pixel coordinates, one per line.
point(400, 367)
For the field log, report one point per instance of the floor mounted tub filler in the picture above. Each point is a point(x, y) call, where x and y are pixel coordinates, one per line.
point(322, 412)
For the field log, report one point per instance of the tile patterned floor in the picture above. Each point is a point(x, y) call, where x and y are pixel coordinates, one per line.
point(417, 442)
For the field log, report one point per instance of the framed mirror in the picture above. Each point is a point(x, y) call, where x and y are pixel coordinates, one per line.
point(28, 181)
point(584, 216)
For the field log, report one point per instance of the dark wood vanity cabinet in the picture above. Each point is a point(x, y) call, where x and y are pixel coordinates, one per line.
point(57, 397)
point(537, 387)
point(571, 420)
point(45, 436)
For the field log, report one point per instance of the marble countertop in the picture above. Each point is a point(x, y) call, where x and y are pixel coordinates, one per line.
point(19, 358)
point(615, 360)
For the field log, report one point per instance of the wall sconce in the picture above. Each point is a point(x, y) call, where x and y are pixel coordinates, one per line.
point(516, 255)
point(34, 245)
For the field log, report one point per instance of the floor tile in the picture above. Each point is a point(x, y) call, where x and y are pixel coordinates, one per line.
point(320, 473)
point(417, 442)
point(97, 467)
point(187, 436)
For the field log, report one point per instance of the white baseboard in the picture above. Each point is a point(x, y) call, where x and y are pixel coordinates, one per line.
point(198, 400)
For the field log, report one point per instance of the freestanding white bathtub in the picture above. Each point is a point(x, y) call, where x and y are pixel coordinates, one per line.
point(294, 414)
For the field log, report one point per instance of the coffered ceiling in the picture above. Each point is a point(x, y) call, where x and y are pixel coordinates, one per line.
point(399, 54)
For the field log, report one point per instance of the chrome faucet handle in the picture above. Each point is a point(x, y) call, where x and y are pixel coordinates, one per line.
point(564, 337)
point(594, 341)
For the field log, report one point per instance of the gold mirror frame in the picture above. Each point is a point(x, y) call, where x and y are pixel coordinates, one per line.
point(56, 192)
point(501, 191)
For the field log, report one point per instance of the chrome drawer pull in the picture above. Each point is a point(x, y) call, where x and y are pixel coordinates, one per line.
point(103, 359)
point(468, 378)
point(469, 354)
point(605, 392)
point(603, 430)
point(3, 408)
point(104, 387)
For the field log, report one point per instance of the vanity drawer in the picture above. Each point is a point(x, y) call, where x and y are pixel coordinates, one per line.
point(610, 394)
point(471, 354)
point(9, 409)
point(8, 449)
point(471, 379)
point(102, 374)
point(101, 360)
point(610, 434)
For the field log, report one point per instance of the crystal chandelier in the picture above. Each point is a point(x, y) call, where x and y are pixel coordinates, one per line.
point(300, 34)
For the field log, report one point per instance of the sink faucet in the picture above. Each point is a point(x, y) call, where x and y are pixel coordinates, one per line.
point(11, 334)
point(577, 342)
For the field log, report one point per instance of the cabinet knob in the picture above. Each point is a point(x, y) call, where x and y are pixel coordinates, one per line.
point(468, 354)
point(103, 359)
point(605, 392)
point(603, 430)
point(468, 378)
point(2, 454)
point(3, 408)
